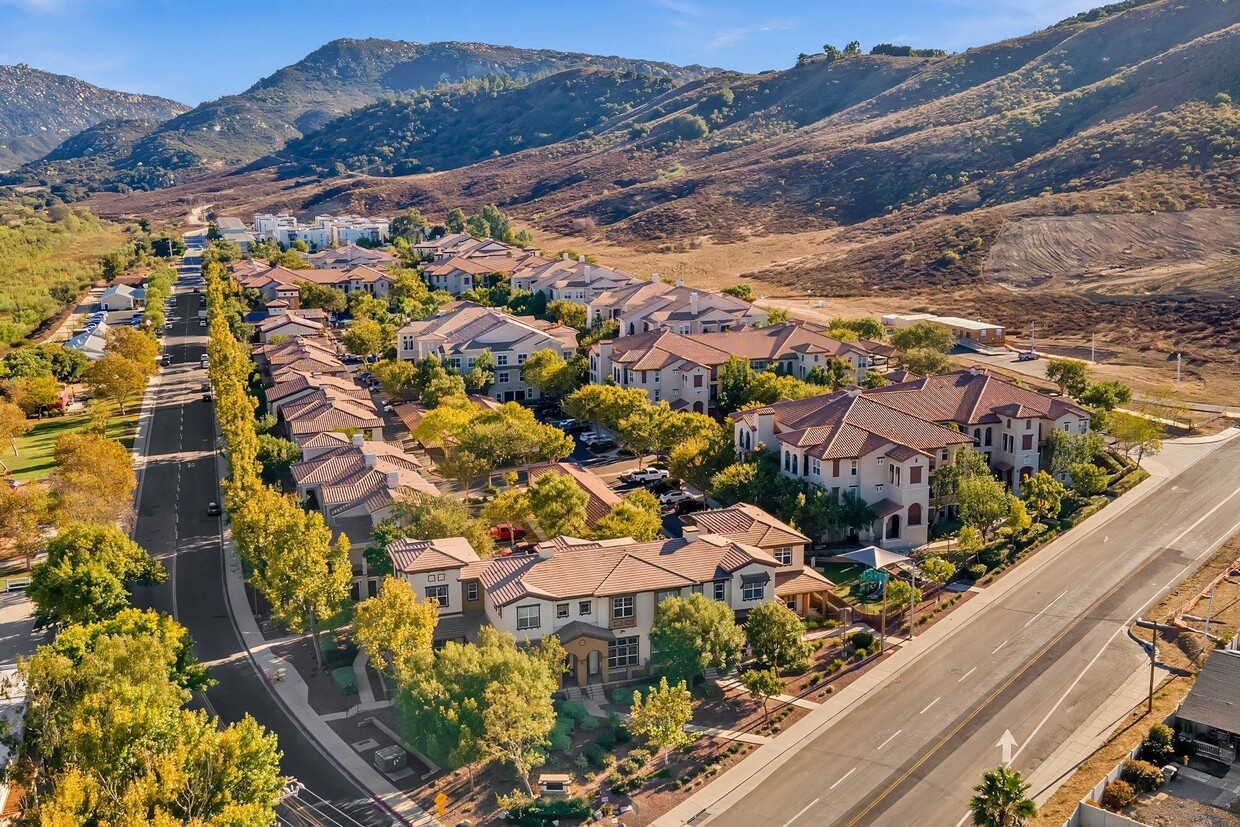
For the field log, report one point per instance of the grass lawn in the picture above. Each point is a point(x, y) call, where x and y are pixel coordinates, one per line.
point(847, 577)
point(34, 459)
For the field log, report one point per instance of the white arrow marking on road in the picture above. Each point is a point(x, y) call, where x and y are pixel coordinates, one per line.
point(1006, 743)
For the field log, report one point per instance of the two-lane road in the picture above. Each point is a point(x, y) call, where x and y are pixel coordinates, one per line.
point(179, 480)
point(1038, 662)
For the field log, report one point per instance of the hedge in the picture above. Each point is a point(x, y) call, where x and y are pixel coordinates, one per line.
point(544, 812)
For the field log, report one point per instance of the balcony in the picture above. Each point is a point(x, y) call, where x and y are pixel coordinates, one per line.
point(623, 622)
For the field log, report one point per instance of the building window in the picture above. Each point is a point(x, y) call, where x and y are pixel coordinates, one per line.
point(561, 610)
point(622, 652)
point(439, 594)
point(721, 589)
point(753, 591)
point(1026, 442)
point(1028, 424)
point(527, 617)
point(501, 377)
point(881, 460)
point(471, 591)
point(853, 469)
point(521, 358)
point(664, 595)
point(455, 362)
point(914, 475)
point(585, 608)
point(501, 360)
point(656, 395)
point(697, 380)
point(622, 607)
point(656, 376)
point(878, 489)
point(783, 554)
point(914, 514)
point(815, 467)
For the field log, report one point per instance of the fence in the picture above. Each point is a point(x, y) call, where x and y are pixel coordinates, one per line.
point(16, 583)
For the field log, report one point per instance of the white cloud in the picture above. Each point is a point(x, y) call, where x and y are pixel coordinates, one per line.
point(39, 6)
point(730, 37)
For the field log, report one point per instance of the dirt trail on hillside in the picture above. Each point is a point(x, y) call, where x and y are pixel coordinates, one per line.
point(1112, 250)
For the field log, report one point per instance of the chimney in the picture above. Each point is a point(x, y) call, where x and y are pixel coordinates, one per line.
point(693, 303)
point(393, 480)
point(564, 256)
point(587, 271)
point(654, 277)
point(680, 282)
point(369, 457)
point(545, 550)
point(973, 371)
point(690, 530)
point(581, 259)
point(358, 439)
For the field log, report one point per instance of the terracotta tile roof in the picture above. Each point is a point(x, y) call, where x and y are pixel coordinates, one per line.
point(601, 498)
point(346, 462)
point(292, 317)
point(746, 524)
point(319, 413)
point(579, 568)
point(414, 556)
point(467, 326)
point(970, 397)
point(350, 253)
point(800, 581)
point(296, 383)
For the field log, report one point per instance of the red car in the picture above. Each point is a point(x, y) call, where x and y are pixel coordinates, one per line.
point(507, 533)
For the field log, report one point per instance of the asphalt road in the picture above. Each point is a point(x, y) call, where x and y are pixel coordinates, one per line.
point(172, 523)
point(1038, 662)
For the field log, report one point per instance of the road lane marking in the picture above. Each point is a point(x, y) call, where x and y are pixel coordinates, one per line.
point(1044, 608)
point(802, 812)
point(1137, 613)
point(963, 819)
point(889, 737)
point(932, 703)
point(1000, 646)
point(840, 780)
point(967, 674)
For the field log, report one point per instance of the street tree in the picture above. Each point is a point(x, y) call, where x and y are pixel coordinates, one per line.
point(1018, 518)
point(136, 345)
point(327, 299)
point(517, 724)
point(87, 574)
point(276, 455)
point(925, 361)
point(607, 405)
point(559, 505)
point(569, 314)
point(1070, 375)
point(34, 395)
point(440, 387)
point(1134, 432)
point(662, 716)
point(510, 508)
point(395, 377)
point(550, 374)
point(983, 501)
point(970, 540)
point(697, 460)
point(117, 379)
point(777, 637)
point(937, 570)
point(1067, 449)
point(396, 629)
point(1087, 479)
point(1043, 494)
point(1000, 800)
point(762, 685)
point(692, 634)
point(94, 479)
point(464, 467)
point(898, 594)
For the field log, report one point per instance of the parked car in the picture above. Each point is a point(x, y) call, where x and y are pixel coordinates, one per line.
point(202, 322)
point(590, 437)
point(674, 496)
point(166, 359)
point(213, 509)
point(689, 506)
point(206, 386)
point(564, 424)
point(645, 475)
point(167, 325)
point(507, 533)
point(1027, 356)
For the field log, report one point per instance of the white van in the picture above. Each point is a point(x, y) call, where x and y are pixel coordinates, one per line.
point(202, 361)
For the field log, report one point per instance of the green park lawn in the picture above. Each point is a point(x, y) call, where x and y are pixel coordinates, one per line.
point(34, 460)
point(846, 577)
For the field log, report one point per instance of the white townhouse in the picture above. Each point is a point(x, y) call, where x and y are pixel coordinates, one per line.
point(565, 279)
point(656, 305)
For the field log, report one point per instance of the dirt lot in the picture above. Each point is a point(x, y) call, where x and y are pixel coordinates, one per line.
point(1181, 654)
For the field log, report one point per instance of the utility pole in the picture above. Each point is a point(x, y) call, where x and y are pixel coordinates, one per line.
point(912, 605)
point(1205, 633)
point(1093, 348)
point(1033, 329)
point(1149, 706)
point(1179, 365)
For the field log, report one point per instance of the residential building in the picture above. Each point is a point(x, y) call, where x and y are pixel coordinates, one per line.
point(268, 225)
point(598, 597)
point(296, 385)
point(326, 231)
point(310, 355)
point(683, 369)
point(655, 305)
point(1009, 424)
point(281, 321)
point(601, 498)
point(433, 568)
point(350, 256)
point(800, 587)
point(460, 244)
point(463, 330)
point(1210, 717)
point(284, 283)
point(90, 341)
point(966, 331)
point(327, 409)
point(565, 279)
point(850, 442)
point(231, 229)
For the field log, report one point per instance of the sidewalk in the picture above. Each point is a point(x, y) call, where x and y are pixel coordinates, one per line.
point(764, 762)
point(291, 691)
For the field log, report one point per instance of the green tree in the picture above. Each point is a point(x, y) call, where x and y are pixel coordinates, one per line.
point(368, 338)
point(970, 540)
point(1000, 800)
point(983, 501)
point(136, 346)
point(735, 483)
point(1105, 396)
point(1068, 449)
point(396, 629)
point(1071, 375)
point(762, 685)
point(455, 220)
point(1087, 479)
point(559, 505)
point(638, 515)
point(865, 327)
point(482, 374)
point(662, 716)
point(548, 372)
point(697, 460)
point(1043, 494)
point(736, 380)
point(744, 292)
point(409, 225)
point(836, 374)
point(396, 377)
point(853, 49)
point(926, 362)
point(116, 379)
point(569, 314)
point(22, 511)
point(464, 467)
point(607, 405)
point(777, 637)
point(517, 725)
point(433, 517)
point(1018, 515)
point(328, 299)
point(13, 423)
point(276, 455)
point(937, 570)
point(924, 336)
point(695, 633)
point(94, 479)
point(35, 395)
point(1133, 432)
point(87, 574)
point(510, 508)
point(440, 387)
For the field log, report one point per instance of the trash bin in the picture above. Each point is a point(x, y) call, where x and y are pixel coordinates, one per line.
point(391, 759)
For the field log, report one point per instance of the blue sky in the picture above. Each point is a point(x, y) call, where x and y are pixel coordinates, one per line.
point(192, 51)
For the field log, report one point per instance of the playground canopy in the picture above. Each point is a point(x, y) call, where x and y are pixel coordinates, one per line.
point(875, 557)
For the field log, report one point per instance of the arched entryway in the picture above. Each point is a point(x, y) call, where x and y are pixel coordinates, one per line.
point(698, 407)
point(893, 528)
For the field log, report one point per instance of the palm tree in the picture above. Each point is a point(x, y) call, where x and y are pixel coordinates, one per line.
point(1000, 800)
